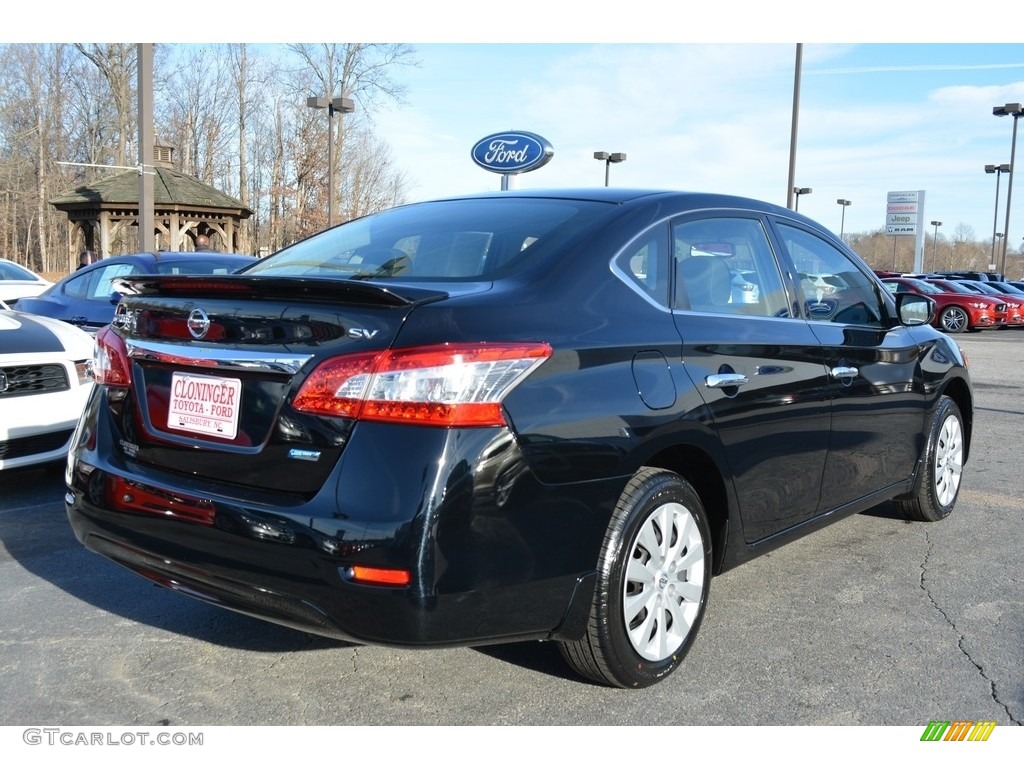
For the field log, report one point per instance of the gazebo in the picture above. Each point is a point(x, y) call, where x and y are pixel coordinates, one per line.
point(183, 207)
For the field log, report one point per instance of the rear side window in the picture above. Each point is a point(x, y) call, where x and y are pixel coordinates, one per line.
point(644, 263)
point(725, 264)
point(474, 239)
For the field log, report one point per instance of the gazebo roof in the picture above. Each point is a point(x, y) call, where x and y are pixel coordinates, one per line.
point(170, 189)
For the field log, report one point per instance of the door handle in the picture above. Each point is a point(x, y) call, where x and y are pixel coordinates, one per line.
point(844, 372)
point(723, 380)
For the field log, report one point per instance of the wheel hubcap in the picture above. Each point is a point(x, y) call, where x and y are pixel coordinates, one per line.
point(664, 583)
point(949, 466)
point(955, 319)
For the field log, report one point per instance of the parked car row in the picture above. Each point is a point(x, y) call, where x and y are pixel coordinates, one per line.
point(964, 304)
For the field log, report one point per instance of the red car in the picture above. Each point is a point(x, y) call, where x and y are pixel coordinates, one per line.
point(955, 310)
point(1014, 302)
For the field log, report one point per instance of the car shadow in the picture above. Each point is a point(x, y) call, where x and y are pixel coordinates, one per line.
point(886, 511)
point(35, 532)
point(544, 658)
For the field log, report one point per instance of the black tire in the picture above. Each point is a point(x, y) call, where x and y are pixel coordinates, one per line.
point(652, 588)
point(954, 319)
point(938, 485)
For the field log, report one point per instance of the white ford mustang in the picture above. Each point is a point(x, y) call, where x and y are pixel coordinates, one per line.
point(43, 387)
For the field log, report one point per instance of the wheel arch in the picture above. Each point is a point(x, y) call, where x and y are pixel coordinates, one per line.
point(960, 392)
point(702, 472)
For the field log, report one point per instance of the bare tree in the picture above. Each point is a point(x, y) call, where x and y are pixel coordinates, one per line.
point(363, 72)
point(118, 64)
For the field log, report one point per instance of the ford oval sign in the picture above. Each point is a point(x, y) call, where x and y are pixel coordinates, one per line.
point(512, 152)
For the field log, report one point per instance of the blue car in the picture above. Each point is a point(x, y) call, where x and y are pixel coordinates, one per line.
point(87, 298)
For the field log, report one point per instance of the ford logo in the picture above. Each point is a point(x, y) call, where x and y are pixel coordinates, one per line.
point(512, 152)
point(198, 323)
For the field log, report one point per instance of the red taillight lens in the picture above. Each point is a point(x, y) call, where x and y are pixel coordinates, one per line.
point(451, 385)
point(110, 364)
point(384, 577)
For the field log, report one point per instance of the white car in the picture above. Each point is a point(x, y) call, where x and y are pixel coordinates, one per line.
point(44, 385)
point(18, 282)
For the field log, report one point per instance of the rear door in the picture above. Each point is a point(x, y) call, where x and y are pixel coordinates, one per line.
point(757, 365)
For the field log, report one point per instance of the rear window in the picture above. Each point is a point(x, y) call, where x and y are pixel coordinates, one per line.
point(197, 265)
point(475, 239)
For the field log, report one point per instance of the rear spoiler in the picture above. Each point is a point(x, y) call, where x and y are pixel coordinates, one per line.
point(276, 288)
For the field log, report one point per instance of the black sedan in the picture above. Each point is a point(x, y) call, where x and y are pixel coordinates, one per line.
point(524, 415)
point(87, 298)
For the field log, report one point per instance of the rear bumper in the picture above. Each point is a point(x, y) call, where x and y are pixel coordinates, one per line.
point(492, 557)
point(310, 591)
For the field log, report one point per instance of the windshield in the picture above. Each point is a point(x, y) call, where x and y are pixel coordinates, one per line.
point(952, 287)
point(923, 287)
point(474, 239)
point(11, 271)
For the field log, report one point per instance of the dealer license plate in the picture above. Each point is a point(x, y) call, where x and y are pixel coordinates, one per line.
point(206, 405)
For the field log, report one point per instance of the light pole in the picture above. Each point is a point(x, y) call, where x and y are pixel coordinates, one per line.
point(842, 221)
point(1015, 111)
point(609, 158)
point(997, 170)
point(800, 191)
point(935, 240)
point(344, 106)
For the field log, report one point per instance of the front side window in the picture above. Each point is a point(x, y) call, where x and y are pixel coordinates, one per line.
point(835, 289)
point(102, 285)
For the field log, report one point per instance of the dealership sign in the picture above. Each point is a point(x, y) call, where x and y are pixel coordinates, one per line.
point(512, 152)
point(904, 213)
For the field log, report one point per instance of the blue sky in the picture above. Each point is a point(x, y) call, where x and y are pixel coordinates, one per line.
point(873, 118)
point(697, 98)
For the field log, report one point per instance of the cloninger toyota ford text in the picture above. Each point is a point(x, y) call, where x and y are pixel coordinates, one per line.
point(526, 415)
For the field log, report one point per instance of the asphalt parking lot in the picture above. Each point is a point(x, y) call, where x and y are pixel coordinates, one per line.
point(871, 621)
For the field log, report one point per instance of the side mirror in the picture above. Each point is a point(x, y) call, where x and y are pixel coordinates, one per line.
point(914, 309)
point(115, 297)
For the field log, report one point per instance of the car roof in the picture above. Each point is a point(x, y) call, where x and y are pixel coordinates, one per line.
point(623, 195)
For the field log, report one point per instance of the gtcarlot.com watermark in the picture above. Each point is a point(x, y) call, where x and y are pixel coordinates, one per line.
point(72, 737)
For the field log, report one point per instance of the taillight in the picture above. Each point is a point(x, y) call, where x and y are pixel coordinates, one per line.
point(382, 577)
point(451, 385)
point(110, 365)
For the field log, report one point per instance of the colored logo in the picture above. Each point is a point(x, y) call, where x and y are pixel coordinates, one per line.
point(512, 152)
point(958, 730)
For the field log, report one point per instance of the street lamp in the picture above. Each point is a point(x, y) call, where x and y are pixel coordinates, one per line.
point(842, 221)
point(800, 191)
point(1004, 111)
point(609, 158)
point(344, 106)
point(935, 240)
point(997, 170)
